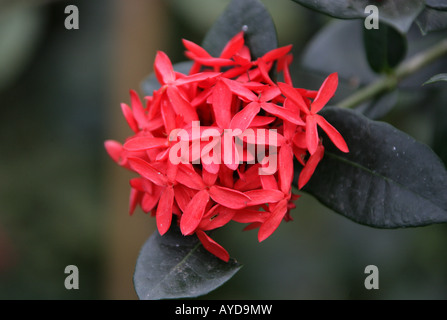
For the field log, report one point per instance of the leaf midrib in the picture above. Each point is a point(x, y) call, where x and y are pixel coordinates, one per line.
point(375, 173)
point(176, 267)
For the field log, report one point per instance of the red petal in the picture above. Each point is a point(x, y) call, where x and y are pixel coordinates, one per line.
point(134, 199)
point(311, 165)
point(233, 46)
point(299, 140)
point(285, 168)
point(114, 149)
point(211, 167)
point(164, 210)
point(277, 53)
point(196, 49)
point(188, 177)
point(250, 179)
point(137, 183)
point(325, 93)
point(150, 200)
point(128, 115)
point(180, 105)
point(182, 196)
point(262, 196)
point(145, 143)
point(270, 225)
point(194, 212)
point(221, 101)
point(269, 182)
point(311, 133)
point(168, 116)
point(163, 68)
point(226, 177)
point(214, 62)
point(243, 118)
point(147, 171)
point(252, 226)
point(138, 110)
point(307, 93)
point(171, 171)
point(270, 94)
point(250, 215)
point(198, 77)
point(283, 113)
point(209, 178)
point(264, 68)
point(212, 246)
point(292, 94)
point(332, 133)
point(240, 90)
point(216, 217)
point(235, 72)
point(261, 121)
point(283, 65)
point(229, 198)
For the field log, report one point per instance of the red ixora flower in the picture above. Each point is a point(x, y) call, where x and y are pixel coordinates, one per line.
point(218, 144)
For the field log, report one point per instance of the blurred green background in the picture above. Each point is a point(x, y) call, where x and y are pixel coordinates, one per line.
point(64, 202)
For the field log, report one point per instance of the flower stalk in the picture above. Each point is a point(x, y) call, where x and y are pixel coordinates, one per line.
point(391, 81)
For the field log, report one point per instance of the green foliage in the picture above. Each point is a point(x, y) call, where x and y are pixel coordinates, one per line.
point(387, 180)
point(174, 266)
point(250, 16)
point(398, 13)
point(436, 78)
point(385, 47)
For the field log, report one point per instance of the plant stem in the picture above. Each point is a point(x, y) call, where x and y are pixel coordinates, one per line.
point(390, 81)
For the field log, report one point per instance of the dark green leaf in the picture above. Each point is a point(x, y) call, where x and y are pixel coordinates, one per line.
point(174, 266)
point(347, 54)
point(385, 47)
point(398, 13)
point(387, 180)
point(432, 20)
point(249, 15)
point(436, 78)
point(437, 4)
point(150, 83)
point(440, 124)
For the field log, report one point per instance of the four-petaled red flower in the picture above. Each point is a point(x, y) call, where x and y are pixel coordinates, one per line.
point(237, 132)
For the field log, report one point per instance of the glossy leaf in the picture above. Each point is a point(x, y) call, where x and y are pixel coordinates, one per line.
point(432, 20)
point(387, 180)
point(385, 47)
point(436, 78)
point(398, 13)
point(436, 4)
point(250, 16)
point(174, 266)
point(348, 58)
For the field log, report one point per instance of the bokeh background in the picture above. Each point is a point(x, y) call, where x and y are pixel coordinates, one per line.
point(64, 202)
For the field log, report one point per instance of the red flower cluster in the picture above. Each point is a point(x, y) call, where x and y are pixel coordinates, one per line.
point(238, 166)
